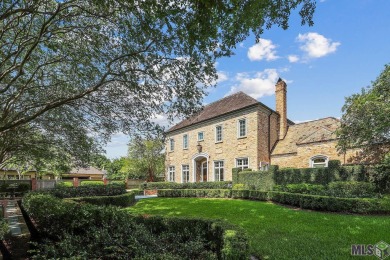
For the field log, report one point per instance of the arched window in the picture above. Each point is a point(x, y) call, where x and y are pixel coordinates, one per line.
point(319, 161)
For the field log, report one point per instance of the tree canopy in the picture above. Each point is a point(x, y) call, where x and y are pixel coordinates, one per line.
point(365, 122)
point(108, 66)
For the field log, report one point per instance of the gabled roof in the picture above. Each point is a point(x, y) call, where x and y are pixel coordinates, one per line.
point(320, 130)
point(231, 103)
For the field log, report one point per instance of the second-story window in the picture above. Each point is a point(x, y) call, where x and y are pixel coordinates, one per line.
point(241, 127)
point(200, 136)
point(171, 144)
point(185, 141)
point(218, 133)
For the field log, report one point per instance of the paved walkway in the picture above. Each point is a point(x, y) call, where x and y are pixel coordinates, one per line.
point(19, 235)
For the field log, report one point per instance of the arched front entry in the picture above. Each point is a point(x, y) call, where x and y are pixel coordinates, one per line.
point(200, 166)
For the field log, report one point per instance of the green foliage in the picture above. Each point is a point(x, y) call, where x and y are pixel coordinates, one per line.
point(381, 175)
point(238, 186)
point(255, 180)
point(19, 187)
point(188, 185)
point(73, 229)
point(124, 200)
point(91, 183)
point(303, 188)
point(84, 191)
point(321, 176)
point(146, 158)
point(351, 189)
point(315, 202)
point(4, 228)
point(371, 105)
point(235, 172)
point(63, 184)
point(201, 193)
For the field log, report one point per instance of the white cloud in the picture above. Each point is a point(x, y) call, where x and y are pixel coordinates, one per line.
point(316, 45)
point(293, 58)
point(260, 84)
point(222, 76)
point(263, 50)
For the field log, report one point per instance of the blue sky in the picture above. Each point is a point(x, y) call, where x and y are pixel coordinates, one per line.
point(343, 52)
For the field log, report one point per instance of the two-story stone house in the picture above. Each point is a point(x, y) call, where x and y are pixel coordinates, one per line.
point(239, 131)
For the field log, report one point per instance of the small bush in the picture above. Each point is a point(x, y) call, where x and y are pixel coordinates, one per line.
point(92, 183)
point(23, 187)
point(351, 189)
point(205, 193)
point(117, 183)
point(303, 188)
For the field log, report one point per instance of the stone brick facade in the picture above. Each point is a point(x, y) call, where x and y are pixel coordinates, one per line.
point(302, 158)
point(270, 139)
point(254, 146)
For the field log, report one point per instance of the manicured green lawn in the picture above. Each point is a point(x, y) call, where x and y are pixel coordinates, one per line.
point(277, 232)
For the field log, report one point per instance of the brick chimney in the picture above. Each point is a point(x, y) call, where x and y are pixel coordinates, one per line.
point(281, 106)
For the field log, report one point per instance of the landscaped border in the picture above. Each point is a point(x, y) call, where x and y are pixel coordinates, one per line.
point(304, 201)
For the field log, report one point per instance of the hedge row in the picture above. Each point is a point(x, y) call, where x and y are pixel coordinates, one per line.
point(205, 193)
point(326, 203)
point(306, 201)
point(323, 176)
point(188, 185)
point(253, 180)
point(85, 191)
point(124, 200)
point(70, 229)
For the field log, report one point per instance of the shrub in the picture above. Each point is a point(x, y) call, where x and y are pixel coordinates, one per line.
point(351, 189)
point(124, 200)
point(381, 175)
point(92, 183)
point(63, 184)
point(205, 193)
point(250, 194)
point(188, 185)
point(84, 191)
point(315, 202)
point(255, 180)
point(304, 188)
point(117, 183)
point(238, 186)
point(23, 187)
point(82, 230)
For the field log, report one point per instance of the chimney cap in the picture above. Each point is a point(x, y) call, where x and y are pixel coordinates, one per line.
point(279, 80)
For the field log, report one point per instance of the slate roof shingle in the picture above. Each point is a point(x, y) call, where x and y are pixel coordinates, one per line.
point(320, 130)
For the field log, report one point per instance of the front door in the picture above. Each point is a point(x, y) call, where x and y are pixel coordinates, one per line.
point(204, 171)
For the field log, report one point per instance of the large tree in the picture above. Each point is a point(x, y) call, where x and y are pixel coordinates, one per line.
point(365, 122)
point(112, 65)
point(146, 157)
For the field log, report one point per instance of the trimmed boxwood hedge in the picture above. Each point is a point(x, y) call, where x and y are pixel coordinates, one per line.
point(326, 203)
point(70, 229)
point(206, 193)
point(124, 200)
point(85, 191)
point(305, 201)
point(188, 185)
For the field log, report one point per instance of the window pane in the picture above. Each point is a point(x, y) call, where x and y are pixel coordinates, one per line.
point(242, 127)
point(218, 133)
point(185, 141)
point(200, 136)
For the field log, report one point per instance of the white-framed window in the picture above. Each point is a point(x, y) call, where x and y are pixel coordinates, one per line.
point(218, 133)
point(218, 171)
point(171, 173)
point(171, 144)
point(185, 172)
point(185, 141)
point(241, 127)
point(200, 136)
point(242, 163)
point(319, 161)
